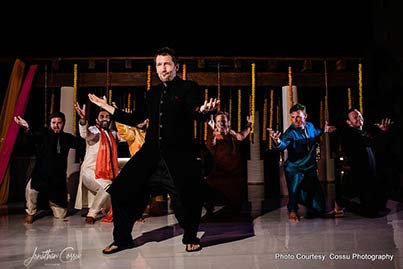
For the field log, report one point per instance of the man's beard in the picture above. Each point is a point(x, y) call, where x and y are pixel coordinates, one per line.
point(104, 125)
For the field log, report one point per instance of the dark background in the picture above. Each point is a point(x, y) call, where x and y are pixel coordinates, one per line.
point(282, 29)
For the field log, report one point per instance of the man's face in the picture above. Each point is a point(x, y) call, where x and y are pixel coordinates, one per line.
point(355, 119)
point(104, 119)
point(298, 118)
point(166, 68)
point(56, 125)
point(222, 123)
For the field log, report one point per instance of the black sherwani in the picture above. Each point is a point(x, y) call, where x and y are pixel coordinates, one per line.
point(362, 179)
point(168, 161)
point(49, 174)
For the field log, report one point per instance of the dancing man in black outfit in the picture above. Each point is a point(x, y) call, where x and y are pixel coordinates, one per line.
point(168, 160)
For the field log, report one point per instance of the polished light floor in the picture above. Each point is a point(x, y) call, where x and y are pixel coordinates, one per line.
point(258, 240)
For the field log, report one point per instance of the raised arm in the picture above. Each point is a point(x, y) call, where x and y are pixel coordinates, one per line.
point(21, 122)
point(384, 124)
point(101, 102)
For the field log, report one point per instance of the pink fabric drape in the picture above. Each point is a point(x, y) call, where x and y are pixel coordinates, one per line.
point(12, 132)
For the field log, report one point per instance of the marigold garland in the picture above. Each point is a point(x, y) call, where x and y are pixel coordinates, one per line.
point(350, 103)
point(148, 77)
point(129, 100)
point(74, 97)
point(360, 88)
point(253, 96)
point(239, 110)
point(290, 96)
point(195, 129)
point(110, 96)
point(184, 71)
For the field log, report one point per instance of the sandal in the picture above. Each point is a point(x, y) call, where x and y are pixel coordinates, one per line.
point(113, 248)
point(193, 247)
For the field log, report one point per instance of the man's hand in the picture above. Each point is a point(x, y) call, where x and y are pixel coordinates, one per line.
point(275, 135)
point(101, 102)
point(384, 124)
point(329, 128)
point(209, 106)
point(21, 122)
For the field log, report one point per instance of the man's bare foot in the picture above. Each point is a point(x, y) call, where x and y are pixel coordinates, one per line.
point(89, 220)
point(29, 219)
point(293, 217)
point(193, 247)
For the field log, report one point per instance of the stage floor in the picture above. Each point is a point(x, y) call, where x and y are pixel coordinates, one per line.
point(265, 240)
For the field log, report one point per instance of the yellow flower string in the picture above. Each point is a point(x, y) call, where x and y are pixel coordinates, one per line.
point(360, 88)
point(184, 71)
point(250, 113)
point(290, 97)
point(350, 103)
point(195, 129)
point(271, 116)
point(148, 77)
point(110, 96)
point(74, 97)
point(239, 110)
point(253, 96)
point(129, 100)
point(205, 123)
point(264, 119)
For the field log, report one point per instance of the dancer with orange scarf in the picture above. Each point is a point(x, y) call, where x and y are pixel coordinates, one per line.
point(100, 165)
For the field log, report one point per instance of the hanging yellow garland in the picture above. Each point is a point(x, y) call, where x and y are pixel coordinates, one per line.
point(74, 97)
point(148, 77)
point(350, 103)
point(360, 88)
point(129, 100)
point(239, 110)
point(184, 71)
point(253, 96)
point(205, 123)
point(290, 97)
point(110, 96)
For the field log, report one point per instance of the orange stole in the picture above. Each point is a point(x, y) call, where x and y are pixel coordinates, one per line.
point(107, 159)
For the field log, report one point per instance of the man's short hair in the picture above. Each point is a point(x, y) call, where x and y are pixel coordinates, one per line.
point(297, 107)
point(58, 115)
point(349, 111)
point(167, 51)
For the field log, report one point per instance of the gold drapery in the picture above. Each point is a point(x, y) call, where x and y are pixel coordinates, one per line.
point(7, 111)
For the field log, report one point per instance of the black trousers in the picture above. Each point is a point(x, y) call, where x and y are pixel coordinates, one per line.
point(186, 207)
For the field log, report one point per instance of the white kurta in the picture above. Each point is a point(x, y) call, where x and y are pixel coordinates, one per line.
point(92, 136)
